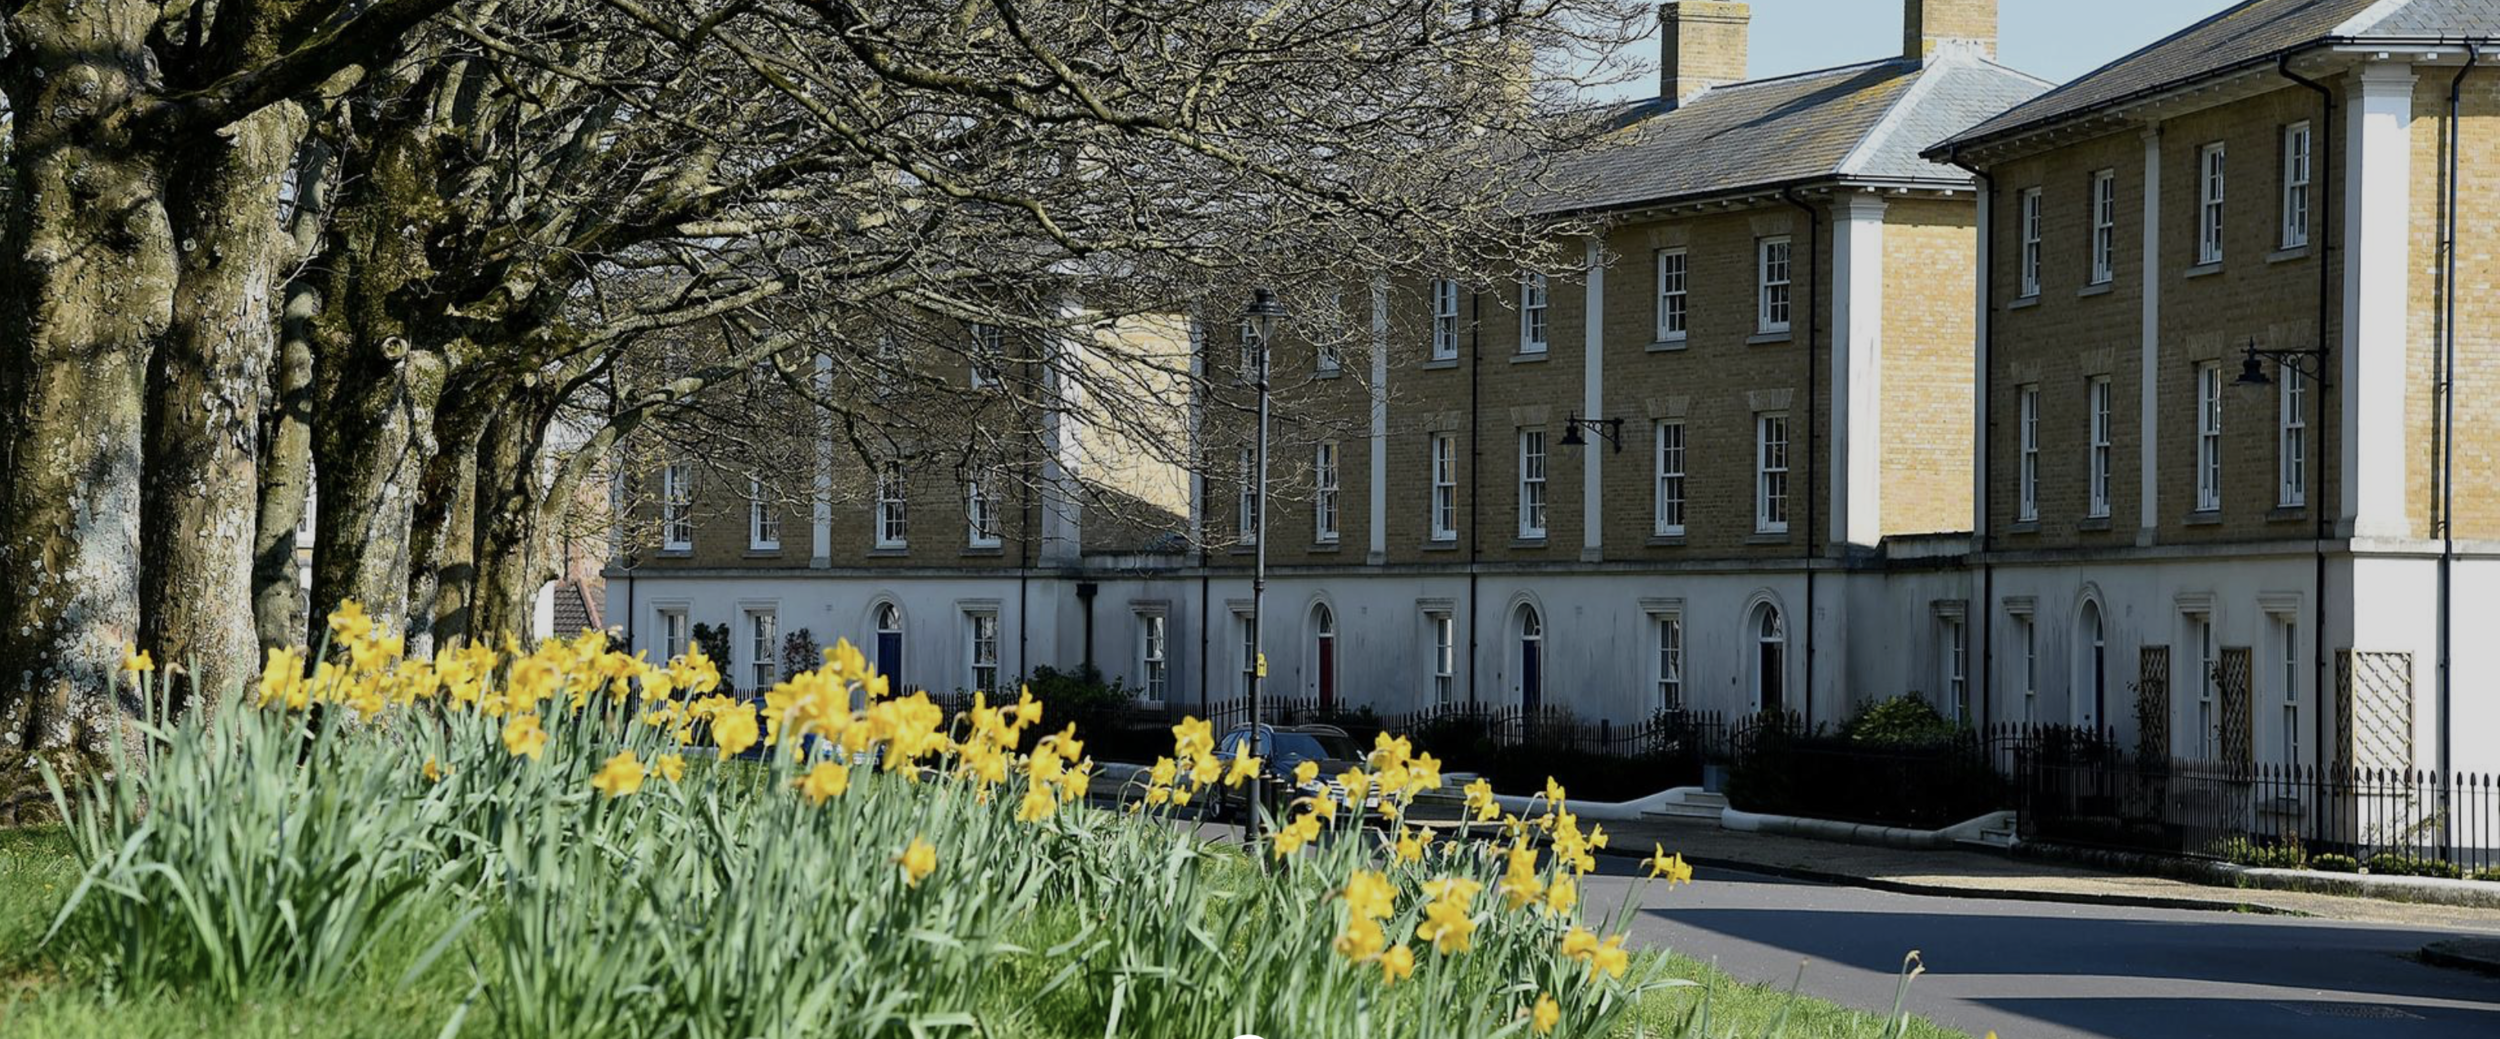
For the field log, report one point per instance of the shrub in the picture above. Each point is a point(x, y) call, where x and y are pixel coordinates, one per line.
point(2246, 851)
point(1902, 720)
point(799, 652)
point(2391, 864)
point(1784, 769)
point(713, 640)
point(2335, 864)
point(2488, 875)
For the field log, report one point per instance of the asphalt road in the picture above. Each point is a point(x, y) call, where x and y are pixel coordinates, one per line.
point(2032, 970)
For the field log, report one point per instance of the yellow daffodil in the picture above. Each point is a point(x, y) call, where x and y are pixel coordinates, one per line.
point(733, 730)
point(1480, 801)
point(1305, 773)
point(1671, 867)
point(1546, 1015)
point(1361, 940)
point(1356, 785)
point(1609, 959)
point(1579, 943)
point(621, 775)
point(522, 736)
point(136, 660)
point(1295, 834)
point(1369, 895)
point(1244, 767)
point(1561, 896)
point(826, 781)
point(1412, 844)
point(1397, 965)
point(1447, 925)
point(671, 767)
point(919, 859)
point(433, 771)
point(1036, 806)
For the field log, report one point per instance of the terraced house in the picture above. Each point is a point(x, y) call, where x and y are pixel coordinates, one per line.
point(2235, 467)
point(1711, 460)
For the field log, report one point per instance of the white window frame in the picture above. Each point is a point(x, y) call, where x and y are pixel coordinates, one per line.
point(1669, 502)
point(2211, 169)
point(2287, 643)
point(2201, 643)
point(980, 509)
point(2104, 227)
point(2209, 437)
point(763, 625)
point(1774, 276)
point(890, 370)
point(1536, 330)
point(1771, 459)
point(989, 344)
point(893, 511)
point(676, 633)
point(1444, 503)
point(981, 645)
point(2297, 154)
point(763, 525)
point(2027, 635)
point(1154, 655)
point(1532, 460)
point(1956, 668)
point(2291, 438)
point(1674, 295)
point(1668, 628)
point(1324, 491)
point(1324, 358)
point(1246, 510)
point(1444, 319)
point(2097, 403)
point(1249, 653)
point(676, 508)
point(2030, 256)
point(1443, 644)
point(2027, 487)
point(1253, 353)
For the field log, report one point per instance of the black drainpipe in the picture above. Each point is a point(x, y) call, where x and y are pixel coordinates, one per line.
point(2448, 428)
point(1814, 469)
point(2326, 297)
point(1085, 597)
point(1984, 189)
point(1475, 364)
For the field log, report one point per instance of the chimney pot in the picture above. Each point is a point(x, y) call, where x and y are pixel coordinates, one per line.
point(1702, 46)
point(1932, 27)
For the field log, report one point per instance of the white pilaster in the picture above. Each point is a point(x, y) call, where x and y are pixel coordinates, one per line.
point(820, 503)
point(2148, 358)
point(1199, 458)
point(1062, 531)
point(1857, 370)
point(1378, 551)
point(2378, 200)
point(1593, 405)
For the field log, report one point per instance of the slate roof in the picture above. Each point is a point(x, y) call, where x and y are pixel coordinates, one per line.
point(2249, 34)
point(574, 611)
point(1865, 122)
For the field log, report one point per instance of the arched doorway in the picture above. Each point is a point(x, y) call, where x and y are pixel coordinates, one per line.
point(1531, 657)
point(890, 644)
point(1324, 655)
point(2092, 667)
point(1770, 658)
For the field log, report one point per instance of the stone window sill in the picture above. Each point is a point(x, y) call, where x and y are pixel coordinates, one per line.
point(2098, 289)
point(2093, 524)
point(1765, 338)
point(1524, 542)
point(1328, 373)
point(2297, 252)
point(2287, 514)
point(1441, 545)
point(1667, 345)
point(2208, 518)
point(2023, 527)
point(984, 551)
point(1330, 547)
point(763, 553)
point(1768, 537)
point(1440, 364)
point(1535, 358)
point(2024, 302)
point(1666, 541)
point(889, 551)
point(676, 553)
point(2202, 270)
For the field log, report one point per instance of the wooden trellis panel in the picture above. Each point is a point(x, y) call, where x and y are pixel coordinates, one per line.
point(2239, 739)
point(2152, 703)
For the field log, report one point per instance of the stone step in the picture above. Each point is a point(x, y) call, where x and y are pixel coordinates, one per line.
point(1701, 799)
point(1684, 811)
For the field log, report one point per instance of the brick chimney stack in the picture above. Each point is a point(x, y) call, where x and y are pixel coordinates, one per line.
point(1932, 27)
point(1703, 46)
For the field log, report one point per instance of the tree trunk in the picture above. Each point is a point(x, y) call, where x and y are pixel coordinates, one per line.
point(201, 499)
point(443, 556)
point(511, 520)
point(278, 593)
point(86, 288)
point(373, 435)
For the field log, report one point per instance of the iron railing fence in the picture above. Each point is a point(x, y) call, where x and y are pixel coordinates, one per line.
point(2387, 820)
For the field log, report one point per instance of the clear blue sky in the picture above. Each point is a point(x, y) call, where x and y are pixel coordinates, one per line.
point(2055, 40)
